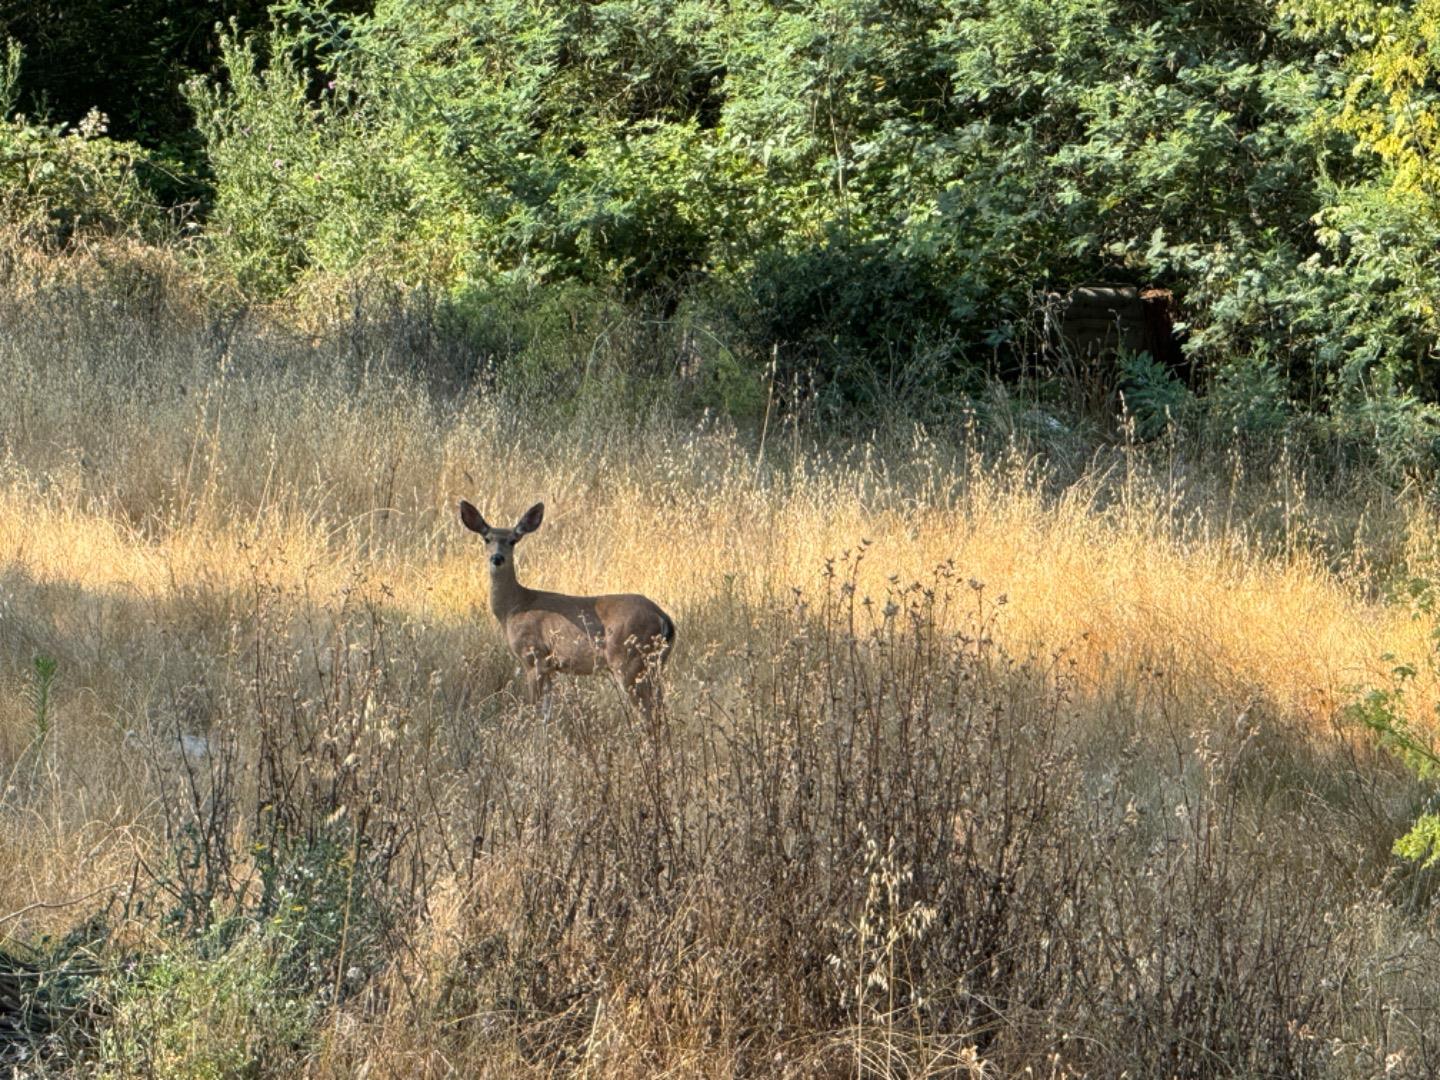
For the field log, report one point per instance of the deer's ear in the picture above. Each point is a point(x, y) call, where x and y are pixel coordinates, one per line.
point(472, 519)
point(531, 521)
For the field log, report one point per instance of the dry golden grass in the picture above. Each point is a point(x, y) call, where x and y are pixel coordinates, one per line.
point(323, 490)
point(163, 467)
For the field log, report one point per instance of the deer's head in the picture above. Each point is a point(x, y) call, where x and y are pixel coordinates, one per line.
point(500, 543)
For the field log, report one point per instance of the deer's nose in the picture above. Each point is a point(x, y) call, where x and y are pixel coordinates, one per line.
point(497, 560)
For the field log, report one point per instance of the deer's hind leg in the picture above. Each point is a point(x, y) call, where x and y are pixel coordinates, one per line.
point(638, 673)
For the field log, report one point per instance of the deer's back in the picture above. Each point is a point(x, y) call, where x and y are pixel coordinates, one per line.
point(578, 632)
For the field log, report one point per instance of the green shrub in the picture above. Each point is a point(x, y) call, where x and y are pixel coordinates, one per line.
point(315, 180)
point(1154, 399)
point(211, 1009)
point(844, 316)
point(1399, 431)
point(1247, 397)
point(61, 182)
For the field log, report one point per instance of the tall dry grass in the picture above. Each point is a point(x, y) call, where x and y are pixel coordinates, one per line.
point(976, 761)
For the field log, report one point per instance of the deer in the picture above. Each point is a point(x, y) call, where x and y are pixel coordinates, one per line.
point(551, 633)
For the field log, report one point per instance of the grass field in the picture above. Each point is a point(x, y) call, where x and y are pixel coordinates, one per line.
point(978, 759)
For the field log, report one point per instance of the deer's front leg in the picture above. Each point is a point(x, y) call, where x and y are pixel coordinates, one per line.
point(537, 682)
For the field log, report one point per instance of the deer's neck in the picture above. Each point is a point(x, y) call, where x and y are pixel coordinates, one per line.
point(507, 596)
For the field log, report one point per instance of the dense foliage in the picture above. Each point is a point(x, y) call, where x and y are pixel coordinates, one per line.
point(878, 192)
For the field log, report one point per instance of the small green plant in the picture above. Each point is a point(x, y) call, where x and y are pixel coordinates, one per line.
point(10, 55)
point(211, 1008)
point(42, 680)
point(37, 694)
point(1383, 711)
point(1155, 399)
